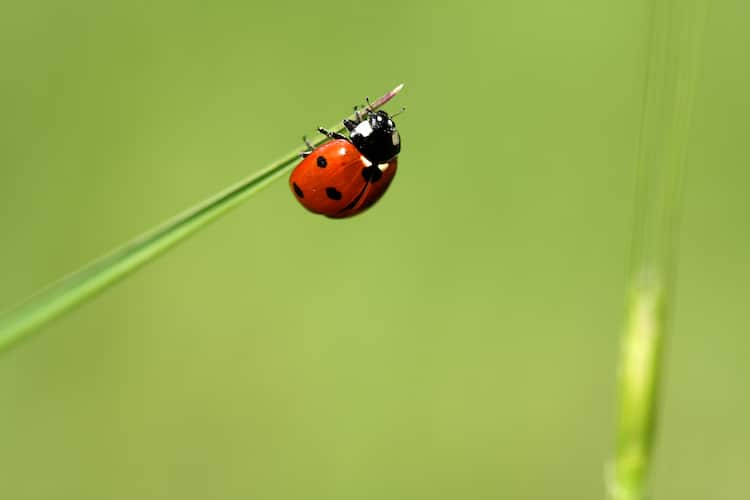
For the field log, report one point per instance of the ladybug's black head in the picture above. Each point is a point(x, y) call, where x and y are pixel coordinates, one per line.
point(376, 137)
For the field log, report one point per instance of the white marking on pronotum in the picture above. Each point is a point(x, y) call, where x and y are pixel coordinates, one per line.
point(395, 138)
point(364, 129)
point(365, 161)
point(383, 166)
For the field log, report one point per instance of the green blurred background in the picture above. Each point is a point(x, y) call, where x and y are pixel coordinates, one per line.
point(457, 341)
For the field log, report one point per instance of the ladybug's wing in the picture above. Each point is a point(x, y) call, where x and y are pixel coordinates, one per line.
point(330, 178)
point(377, 184)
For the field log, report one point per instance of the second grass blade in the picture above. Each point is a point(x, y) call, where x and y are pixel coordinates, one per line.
point(675, 37)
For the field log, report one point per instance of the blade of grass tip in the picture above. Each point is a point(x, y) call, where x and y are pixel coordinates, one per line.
point(674, 49)
point(65, 294)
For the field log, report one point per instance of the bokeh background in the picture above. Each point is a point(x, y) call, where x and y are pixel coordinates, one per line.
point(457, 341)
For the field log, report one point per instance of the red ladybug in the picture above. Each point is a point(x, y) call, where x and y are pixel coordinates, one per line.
point(347, 175)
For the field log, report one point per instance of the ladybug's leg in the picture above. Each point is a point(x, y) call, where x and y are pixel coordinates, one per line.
point(331, 134)
point(350, 125)
point(306, 153)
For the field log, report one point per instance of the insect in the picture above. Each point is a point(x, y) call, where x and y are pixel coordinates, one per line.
point(347, 175)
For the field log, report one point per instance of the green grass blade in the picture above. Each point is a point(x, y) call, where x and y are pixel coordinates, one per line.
point(675, 38)
point(83, 284)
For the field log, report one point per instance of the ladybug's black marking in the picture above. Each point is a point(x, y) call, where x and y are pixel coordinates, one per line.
point(372, 173)
point(321, 161)
point(297, 190)
point(333, 193)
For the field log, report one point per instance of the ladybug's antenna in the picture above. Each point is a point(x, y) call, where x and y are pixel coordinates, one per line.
point(369, 106)
point(398, 112)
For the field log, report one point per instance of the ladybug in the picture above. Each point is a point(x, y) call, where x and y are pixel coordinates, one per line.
point(347, 175)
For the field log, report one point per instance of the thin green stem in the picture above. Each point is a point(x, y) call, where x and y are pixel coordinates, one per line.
point(675, 38)
point(62, 296)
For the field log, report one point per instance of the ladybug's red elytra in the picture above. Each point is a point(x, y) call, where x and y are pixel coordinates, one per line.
point(347, 175)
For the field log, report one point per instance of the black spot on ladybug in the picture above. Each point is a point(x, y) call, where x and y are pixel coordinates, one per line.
point(297, 190)
point(321, 161)
point(371, 173)
point(333, 193)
